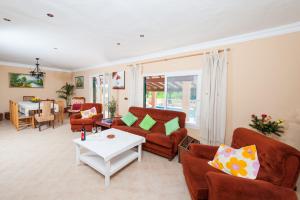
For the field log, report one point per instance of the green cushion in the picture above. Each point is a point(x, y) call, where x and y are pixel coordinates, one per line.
point(147, 123)
point(172, 126)
point(129, 119)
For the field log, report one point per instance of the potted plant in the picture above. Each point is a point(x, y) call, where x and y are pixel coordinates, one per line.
point(66, 93)
point(266, 126)
point(112, 107)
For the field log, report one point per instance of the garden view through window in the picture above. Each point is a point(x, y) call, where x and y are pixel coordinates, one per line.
point(179, 93)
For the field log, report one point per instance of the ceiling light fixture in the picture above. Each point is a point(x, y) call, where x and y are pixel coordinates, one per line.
point(50, 15)
point(55, 48)
point(118, 43)
point(142, 35)
point(37, 72)
point(6, 19)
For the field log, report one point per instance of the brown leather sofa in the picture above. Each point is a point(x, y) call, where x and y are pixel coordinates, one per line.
point(156, 140)
point(277, 176)
point(77, 123)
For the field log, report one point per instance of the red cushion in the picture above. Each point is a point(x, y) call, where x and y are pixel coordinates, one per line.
point(76, 106)
point(160, 139)
point(194, 171)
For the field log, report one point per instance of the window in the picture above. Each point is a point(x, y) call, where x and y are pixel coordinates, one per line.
point(174, 92)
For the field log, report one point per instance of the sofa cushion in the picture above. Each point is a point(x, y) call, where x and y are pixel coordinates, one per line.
point(241, 162)
point(134, 130)
point(129, 119)
point(147, 123)
point(194, 171)
point(76, 106)
point(86, 114)
point(172, 126)
point(160, 139)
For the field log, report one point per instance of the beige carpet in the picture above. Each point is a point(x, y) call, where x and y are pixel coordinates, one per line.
point(41, 166)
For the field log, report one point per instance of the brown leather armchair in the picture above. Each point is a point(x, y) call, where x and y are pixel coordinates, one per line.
point(277, 176)
point(77, 122)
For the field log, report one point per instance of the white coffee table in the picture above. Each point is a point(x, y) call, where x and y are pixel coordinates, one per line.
point(108, 156)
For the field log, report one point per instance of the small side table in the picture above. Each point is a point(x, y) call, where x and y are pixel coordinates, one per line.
point(103, 124)
point(184, 145)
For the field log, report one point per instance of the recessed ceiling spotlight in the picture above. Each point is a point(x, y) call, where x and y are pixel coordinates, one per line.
point(55, 48)
point(118, 43)
point(6, 19)
point(142, 35)
point(50, 15)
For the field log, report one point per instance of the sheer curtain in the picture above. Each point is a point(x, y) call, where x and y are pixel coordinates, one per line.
point(136, 85)
point(106, 92)
point(213, 98)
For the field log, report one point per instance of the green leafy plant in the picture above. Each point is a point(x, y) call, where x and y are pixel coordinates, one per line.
point(265, 125)
point(66, 92)
point(112, 107)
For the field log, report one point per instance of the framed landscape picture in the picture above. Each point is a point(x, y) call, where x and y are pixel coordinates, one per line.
point(79, 82)
point(118, 80)
point(17, 80)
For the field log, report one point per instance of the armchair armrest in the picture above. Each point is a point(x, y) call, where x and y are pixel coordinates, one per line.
point(75, 116)
point(203, 151)
point(177, 137)
point(99, 116)
point(117, 122)
point(223, 186)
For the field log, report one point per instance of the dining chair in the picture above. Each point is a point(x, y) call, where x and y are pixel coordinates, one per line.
point(19, 120)
point(45, 113)
point(76, 103)
point(28, 98)
point(60, 115)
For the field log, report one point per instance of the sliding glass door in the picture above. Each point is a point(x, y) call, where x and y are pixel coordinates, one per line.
point(174, 92)
point(100, 92)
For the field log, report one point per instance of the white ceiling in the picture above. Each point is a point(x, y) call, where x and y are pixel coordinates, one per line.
point(86, 31)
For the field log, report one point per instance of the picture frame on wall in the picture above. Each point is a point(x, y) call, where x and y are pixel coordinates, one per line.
point(118, 80)
point(19, 80)
point(79, 82)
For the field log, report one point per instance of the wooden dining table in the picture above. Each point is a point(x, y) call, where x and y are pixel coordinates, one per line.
point(26, 106)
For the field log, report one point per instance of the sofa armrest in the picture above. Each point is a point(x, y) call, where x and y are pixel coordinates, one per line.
point(117, 122)
point(203, 151)
point(99, 116)
point(177, 137)
point(75, 116)
point(223, 186)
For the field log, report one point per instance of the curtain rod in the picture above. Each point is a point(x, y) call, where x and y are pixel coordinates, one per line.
point(180, 57)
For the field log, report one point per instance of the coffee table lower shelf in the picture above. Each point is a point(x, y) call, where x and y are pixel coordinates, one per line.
point(110, 167)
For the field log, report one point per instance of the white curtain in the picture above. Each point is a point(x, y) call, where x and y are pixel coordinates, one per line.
point(136, 86)
point(213, 98)
point(106, 92)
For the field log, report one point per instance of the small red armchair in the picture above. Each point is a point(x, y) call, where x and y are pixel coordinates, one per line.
point(77, 122)
point(277, 176)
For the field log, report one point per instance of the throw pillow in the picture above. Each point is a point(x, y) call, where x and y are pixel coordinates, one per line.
point(147, 123)
point(76, 106)
point(172, 126)
point(86, 114)
point(241, 162)
point(129, 119)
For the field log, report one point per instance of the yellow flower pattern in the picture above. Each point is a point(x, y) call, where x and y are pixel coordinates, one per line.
point(237, 167)
point(217, 164)
point(241, 162)
point(249, 152)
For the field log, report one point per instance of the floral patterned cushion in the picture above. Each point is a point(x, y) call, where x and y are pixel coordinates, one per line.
point(241, 162)
point(88, 113)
